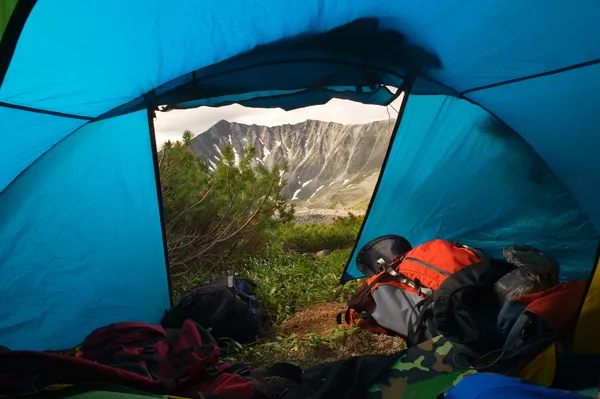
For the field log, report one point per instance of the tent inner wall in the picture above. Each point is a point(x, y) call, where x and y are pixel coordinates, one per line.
point(457, 173)
point(80, 238)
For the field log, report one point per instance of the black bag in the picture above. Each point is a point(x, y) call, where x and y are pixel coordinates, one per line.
point(349, 378)
point(467, 310)
point(227, 307)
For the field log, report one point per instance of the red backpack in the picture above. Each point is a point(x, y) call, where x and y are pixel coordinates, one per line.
point(181, 362)
point(392, 301)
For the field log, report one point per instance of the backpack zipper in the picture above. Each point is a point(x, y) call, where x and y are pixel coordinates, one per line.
point(429, 266)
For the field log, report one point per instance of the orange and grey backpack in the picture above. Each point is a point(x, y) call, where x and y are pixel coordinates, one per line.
point(396, 299)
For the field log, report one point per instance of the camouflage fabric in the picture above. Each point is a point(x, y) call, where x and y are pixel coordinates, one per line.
point(423, 372)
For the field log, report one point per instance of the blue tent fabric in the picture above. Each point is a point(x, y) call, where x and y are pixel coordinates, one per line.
point(80, 238)
point(557, 115)
point(42, 131)
point(455, 172)
point(77, 61)
point(69, 46)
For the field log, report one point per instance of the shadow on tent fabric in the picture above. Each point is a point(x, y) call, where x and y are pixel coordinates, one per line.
point(360, 55)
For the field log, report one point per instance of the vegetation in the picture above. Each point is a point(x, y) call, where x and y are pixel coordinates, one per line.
point(215, 215)
point(287, 281)
point(361, 206)
point(313, 349)
point(312, 238)
point(231, 216)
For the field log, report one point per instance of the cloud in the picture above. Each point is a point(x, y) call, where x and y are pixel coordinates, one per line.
point(170, 125)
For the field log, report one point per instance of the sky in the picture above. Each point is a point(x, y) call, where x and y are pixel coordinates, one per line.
point(170, 125)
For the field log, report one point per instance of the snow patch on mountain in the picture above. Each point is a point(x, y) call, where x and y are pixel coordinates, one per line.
point(295, 197)
point(236, 157)
point(267, 153)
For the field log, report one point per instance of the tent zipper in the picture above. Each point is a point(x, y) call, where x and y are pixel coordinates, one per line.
point(429, 266)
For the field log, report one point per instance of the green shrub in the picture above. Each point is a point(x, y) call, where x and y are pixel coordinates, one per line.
point(342, 233)
point(214, 215)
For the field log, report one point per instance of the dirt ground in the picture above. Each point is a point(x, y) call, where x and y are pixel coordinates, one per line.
point(319, 319)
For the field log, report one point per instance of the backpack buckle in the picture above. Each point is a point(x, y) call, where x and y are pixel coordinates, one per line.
point(382, 264)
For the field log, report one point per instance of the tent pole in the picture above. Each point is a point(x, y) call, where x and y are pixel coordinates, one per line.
point(405, 88)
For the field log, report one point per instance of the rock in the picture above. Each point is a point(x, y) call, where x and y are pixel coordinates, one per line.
point(328, 163)
point(323, 253)
point(323, 216)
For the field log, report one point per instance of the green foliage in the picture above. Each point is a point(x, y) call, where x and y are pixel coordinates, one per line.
point(341, 233)
point(287, 281)
point(215, 215)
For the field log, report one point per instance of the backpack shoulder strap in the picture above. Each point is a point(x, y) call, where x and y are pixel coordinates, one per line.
point(416, 329)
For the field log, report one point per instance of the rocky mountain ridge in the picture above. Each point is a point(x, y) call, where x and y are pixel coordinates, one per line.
point(330, 164)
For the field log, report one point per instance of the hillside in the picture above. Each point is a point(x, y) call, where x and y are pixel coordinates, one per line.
point(330, 164)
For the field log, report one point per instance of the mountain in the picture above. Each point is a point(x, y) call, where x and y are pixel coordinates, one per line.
point(330, 164)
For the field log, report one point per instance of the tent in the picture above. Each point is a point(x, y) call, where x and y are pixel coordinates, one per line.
point(496, 142)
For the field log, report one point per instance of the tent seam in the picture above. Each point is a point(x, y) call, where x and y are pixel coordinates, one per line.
point(46, 112)
point(10, 183)
point(195, 79)
point(534, 76)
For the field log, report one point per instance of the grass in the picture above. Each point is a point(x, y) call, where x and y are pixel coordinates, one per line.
point(315, 237)
point(312, 349)
point(361, 206)
point(288, 281)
